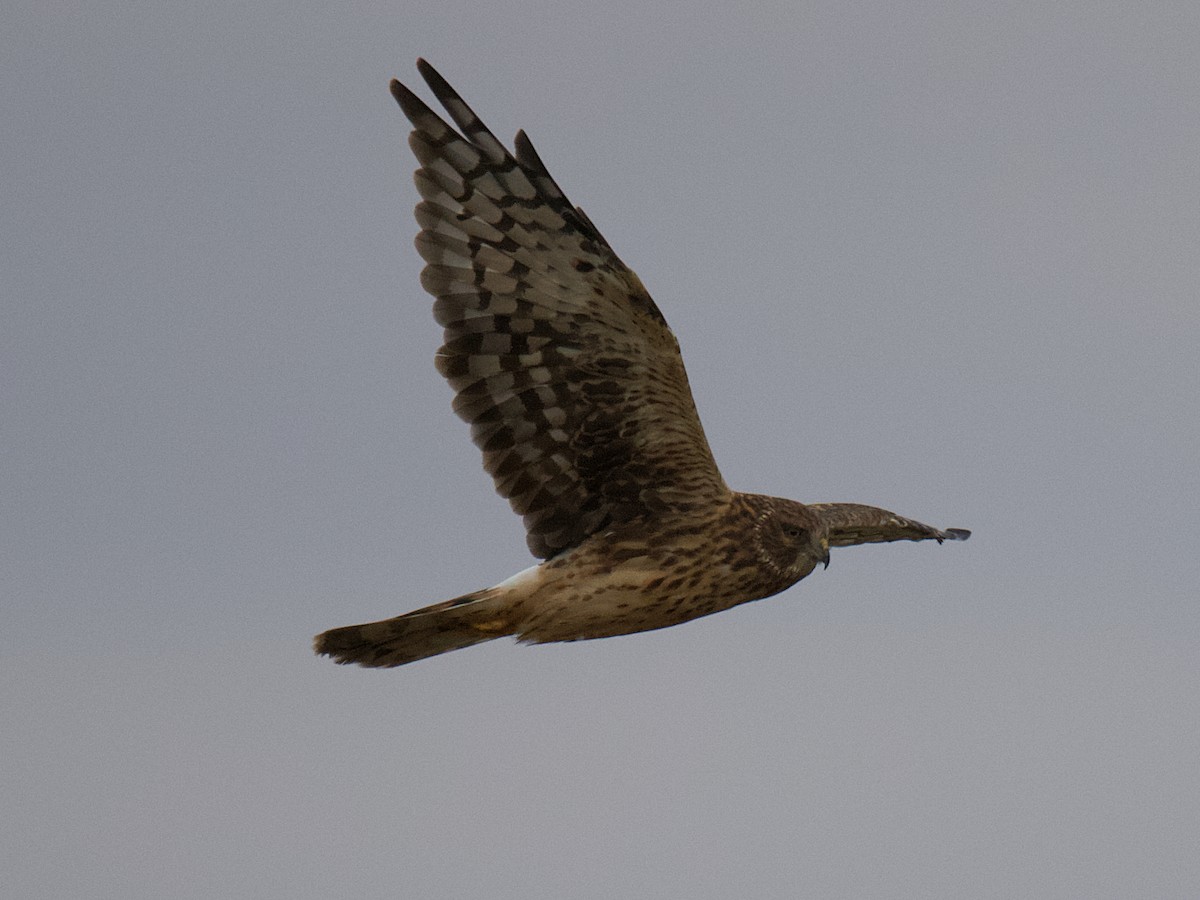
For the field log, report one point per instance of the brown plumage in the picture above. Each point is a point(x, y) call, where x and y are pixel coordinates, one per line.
point(576, 393)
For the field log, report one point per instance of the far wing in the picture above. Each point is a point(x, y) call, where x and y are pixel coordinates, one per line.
point(853, 523)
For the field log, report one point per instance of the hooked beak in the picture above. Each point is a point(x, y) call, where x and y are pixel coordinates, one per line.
point(825, 548)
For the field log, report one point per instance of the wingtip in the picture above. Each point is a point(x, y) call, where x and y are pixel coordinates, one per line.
point(439, 85)
point(411, 105)
point(410, 102)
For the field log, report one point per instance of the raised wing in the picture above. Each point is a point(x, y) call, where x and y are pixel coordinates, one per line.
point(565, 368)
point(853, 523)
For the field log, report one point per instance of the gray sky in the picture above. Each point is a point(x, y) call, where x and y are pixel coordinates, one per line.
point(940, 257)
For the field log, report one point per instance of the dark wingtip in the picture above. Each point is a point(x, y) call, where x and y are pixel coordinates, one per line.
point(957, 534)
point(439, 85)
point(409, 102)
point(319, 645)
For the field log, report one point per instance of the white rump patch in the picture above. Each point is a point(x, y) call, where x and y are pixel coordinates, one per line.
point(525, 578)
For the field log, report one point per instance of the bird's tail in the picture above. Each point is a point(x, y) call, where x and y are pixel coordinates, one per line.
point(450, 625)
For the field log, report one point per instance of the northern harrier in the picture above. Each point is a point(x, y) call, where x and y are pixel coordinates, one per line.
point(576, 394)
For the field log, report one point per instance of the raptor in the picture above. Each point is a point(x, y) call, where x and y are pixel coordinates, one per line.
point(576, 395)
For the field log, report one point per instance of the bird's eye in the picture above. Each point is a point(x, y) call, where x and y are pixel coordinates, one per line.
point(793, 532)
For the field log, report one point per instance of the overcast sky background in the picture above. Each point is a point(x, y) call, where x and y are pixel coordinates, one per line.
point(940, 257)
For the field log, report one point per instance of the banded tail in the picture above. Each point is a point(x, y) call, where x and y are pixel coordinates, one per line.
point(449, 625)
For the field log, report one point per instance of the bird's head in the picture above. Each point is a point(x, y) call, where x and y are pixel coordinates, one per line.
point(792, 539)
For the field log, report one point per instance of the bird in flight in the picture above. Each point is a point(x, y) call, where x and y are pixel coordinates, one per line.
point(576, 394)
